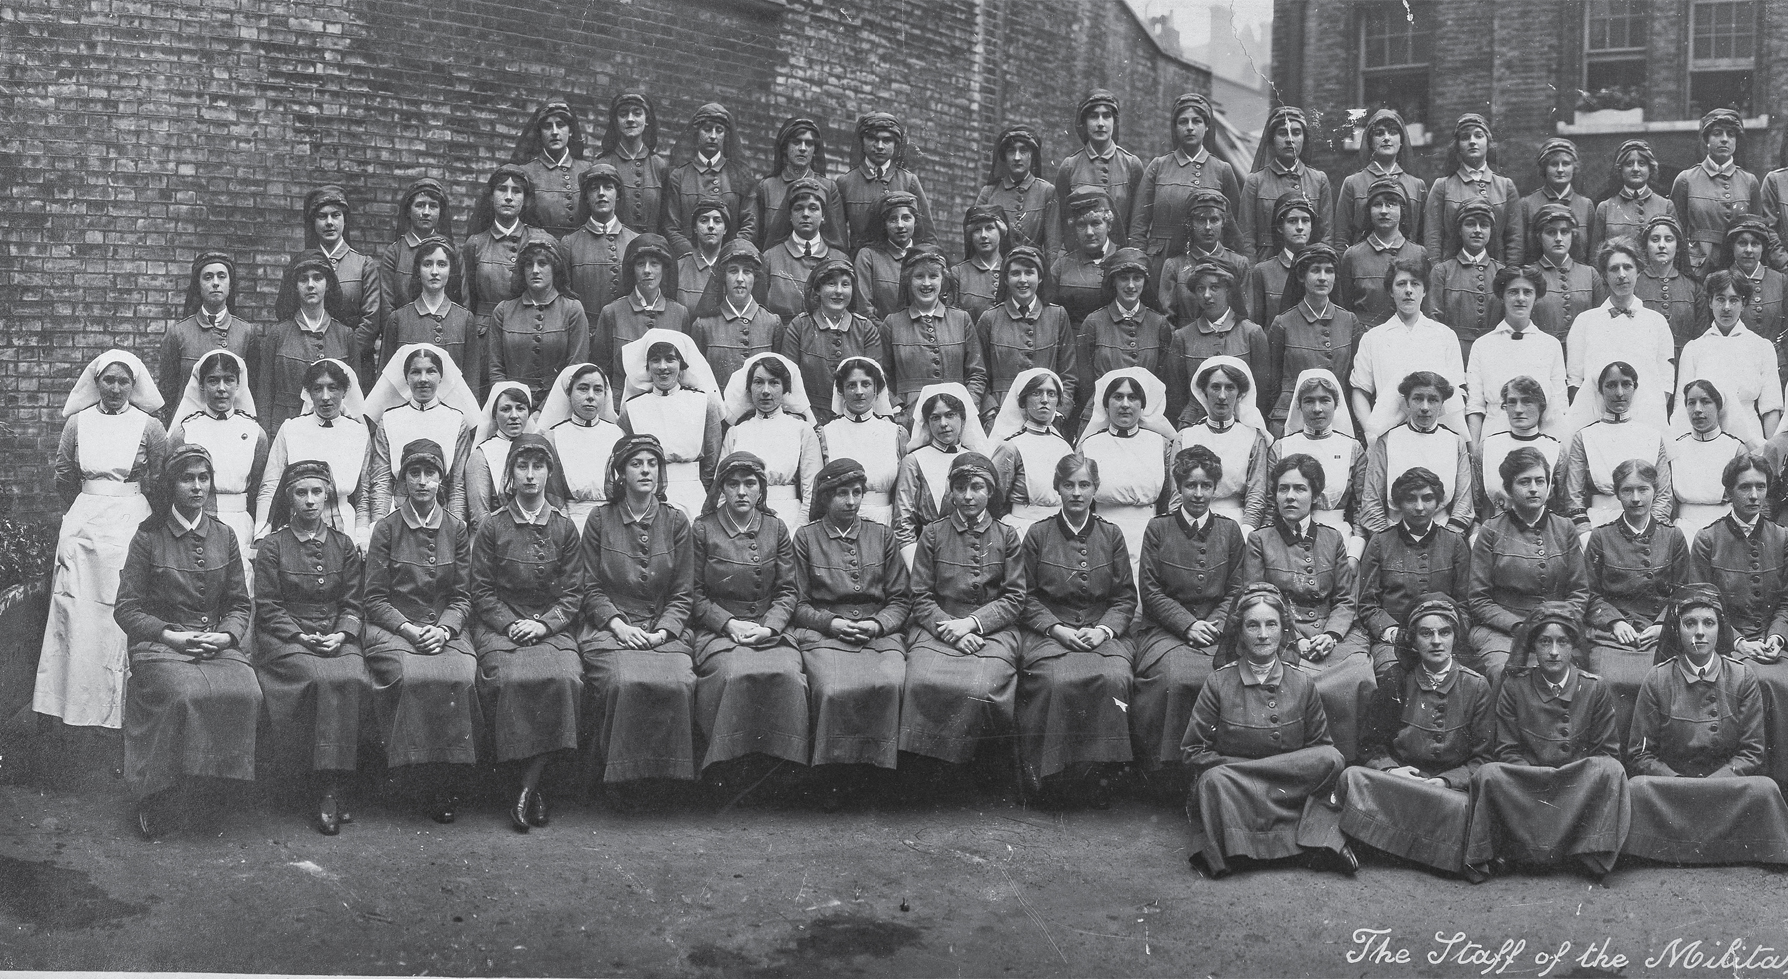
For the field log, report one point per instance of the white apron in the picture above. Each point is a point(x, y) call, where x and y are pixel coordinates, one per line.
point(231, 442)
point(1040, 453)
point(584, 452)
point(679, 420)
point(875, 444)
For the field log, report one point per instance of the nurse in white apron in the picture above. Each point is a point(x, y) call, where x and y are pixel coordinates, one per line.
point(330, 428)
point(1698, 457)
point(1324, 433)
point(1234, 429)
point(218, 412)
point(420, 395)
point(1027, 445)
point(1613, 438)
point(770, 416)
point(579, 420)
point(673, 397)
point(1130, 439)
point(508, 412)
point(111, 444)
point(865, 430)
point(943, 427)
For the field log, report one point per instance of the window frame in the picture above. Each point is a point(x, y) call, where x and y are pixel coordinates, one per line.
point(1424, 11)
point(1693, 66)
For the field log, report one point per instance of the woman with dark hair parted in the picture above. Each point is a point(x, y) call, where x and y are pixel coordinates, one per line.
point(1130, 443)
point(533, 336)
point(800, 155)
point(864, 430)
point(1233, 428)
point(1015, 182)
point(770, 419)
point(326, 218)
point(550, 150)
point(306, 649)
point(209, 323)
point(630, 145)
point(639, 569)
point(579, 420)
point(218, 412)
point(968, 589)
point(420, 395)
point(428, 313)
point(1587, 469)
point(706, 162)
point(1260, 748)
point(309, 329)
point(192, 702)
point(417, 609)
point(1074, 658)
point(1697, 750)
point(424, 213)
point(527, 591)
point(1384, 149)
point(852, 602)
point(333, 429)
point(503, 223)
point(672, 396)
point(1698, 456)
point(1741, 362)
point(943, 429)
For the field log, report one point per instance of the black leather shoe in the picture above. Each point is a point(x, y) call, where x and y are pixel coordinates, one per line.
point(518, 813)
point(1204, 869)
point(537, 814)
point(325, 819)
point(443, 810)
point(1475, 873)
point(1346, 861)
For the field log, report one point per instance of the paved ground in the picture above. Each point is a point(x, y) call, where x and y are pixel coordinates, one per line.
point(965, 883)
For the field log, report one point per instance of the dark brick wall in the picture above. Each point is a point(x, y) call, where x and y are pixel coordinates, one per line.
point(139, 132)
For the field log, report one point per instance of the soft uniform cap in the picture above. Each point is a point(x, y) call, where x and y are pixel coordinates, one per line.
point(1343, 417)
point(85, 393)
point(353, 403)
point(1154, 410)
point(838, 472)
point(393, 387)
point(1721, 117)
point(696, 372)
point(1561, 614)
point(1247, 412)
point(1468, 120)
point(1095, 98)
point(528, 442)
point(738, 461)
point(487, 416)
point(280, 511)
point(1085, 198)
point(423, 450)
point(193, 400)
point(626, 448)
point(557, 405)
point(973, 439)
point(1433, 603)
point(1557, 144)
point(738, 405)
point(1481, 209)
point(1011, 414)
point(324, 195)
point(883, 404)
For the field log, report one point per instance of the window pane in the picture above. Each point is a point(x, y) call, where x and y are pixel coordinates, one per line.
point(1406, 91)
point(1719, 89)
point(1391, 36)
point(1723, 31)
point(1613, 84)
point(1614, 24)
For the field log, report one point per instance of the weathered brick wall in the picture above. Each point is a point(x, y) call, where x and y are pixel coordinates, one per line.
point(136, 133)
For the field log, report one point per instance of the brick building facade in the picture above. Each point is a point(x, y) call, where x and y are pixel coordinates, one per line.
point(1598, 72)
point(141, 132)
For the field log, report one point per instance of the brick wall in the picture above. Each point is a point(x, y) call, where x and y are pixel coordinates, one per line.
point(140, 132)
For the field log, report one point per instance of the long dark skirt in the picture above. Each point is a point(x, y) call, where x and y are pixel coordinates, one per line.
point(750, 700)
point(1169, 674)
point(642, 708)
point(853, 697)
point(1071, 705)
point(1773, 678)
point(1267, 808)
point(187, 718)
point(426, 706)
point(955, 702)
point(1345, 682)
point(1708, 820)
point(1623, 668)
point(1408, 817)
point(529, 695)
point(1544, 815)
point(314, 703)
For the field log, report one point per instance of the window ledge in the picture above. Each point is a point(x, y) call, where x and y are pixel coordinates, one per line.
point(1665, 126)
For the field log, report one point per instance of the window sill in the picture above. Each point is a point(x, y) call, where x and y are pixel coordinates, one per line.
point(1665, 126)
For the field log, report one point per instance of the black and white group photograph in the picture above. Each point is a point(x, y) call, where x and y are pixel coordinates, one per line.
point(894, 488)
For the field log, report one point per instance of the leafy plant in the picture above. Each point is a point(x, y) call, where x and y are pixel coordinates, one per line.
point(1611, 97)
point(27, 550)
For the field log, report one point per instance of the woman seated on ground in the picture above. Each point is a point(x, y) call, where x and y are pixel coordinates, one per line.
point(1074, 658)
point(769, 417)
point(851, 606)
point(1027, 444)
point(639, 585)
point(579, 420)
point(1522, 557)
point(1190, 574)
point(1554, 789)
point(307, 639)
point(1700, 788)
point(750, 694)
point(1634, 565)
point(865, 430)
point(1427, 734)
point(1259, 745)
point(192, 701)
point(943, 429)
point(968, 589)
point(527, 584)
point(417, 605)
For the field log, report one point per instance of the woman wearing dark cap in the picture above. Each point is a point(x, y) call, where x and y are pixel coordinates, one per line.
point(1022, 330)
point(647, 301)
point(1122, 332)
point(593, 253)
point(1554, 788)
point(1749, 240)
point(527, 588)
point(1015, 182)
point(710, 227)
point(535, 335)
point(502, 222)
point(1259, 745)
point(929, 339)
point(1163, 194)
point(1426, 735)
point(218, 412)
point(1208, 223)
point(550, 150)
point(878, 262)
point(1384, 148)
point(307, 638)
point(429, 314)
point(423, 212)
point(968, 591)
point(800, 155)
point(731, 323)
point(326, 218)
point(986, 239)
point(1557, 164)
point(208, 324)
point(878, 168)
point(309, 329)
point(1711, 195)
point(192, 702)
point(1076, 275)
point(1294, 227)
point(1665, 285)
point(630, 145)
point(1697, 751)
point(1468, 177)
point(1633, 201)
point(1571, 286)
point(791, 260)
point(706, 163)
point(1390, 239)
point(1074, 658)
point(639, 569)
point(417, 605)
point(851, 608)
point(830, 330)
point(1312, 331)
point(1100, 162)
point(1279, 170)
